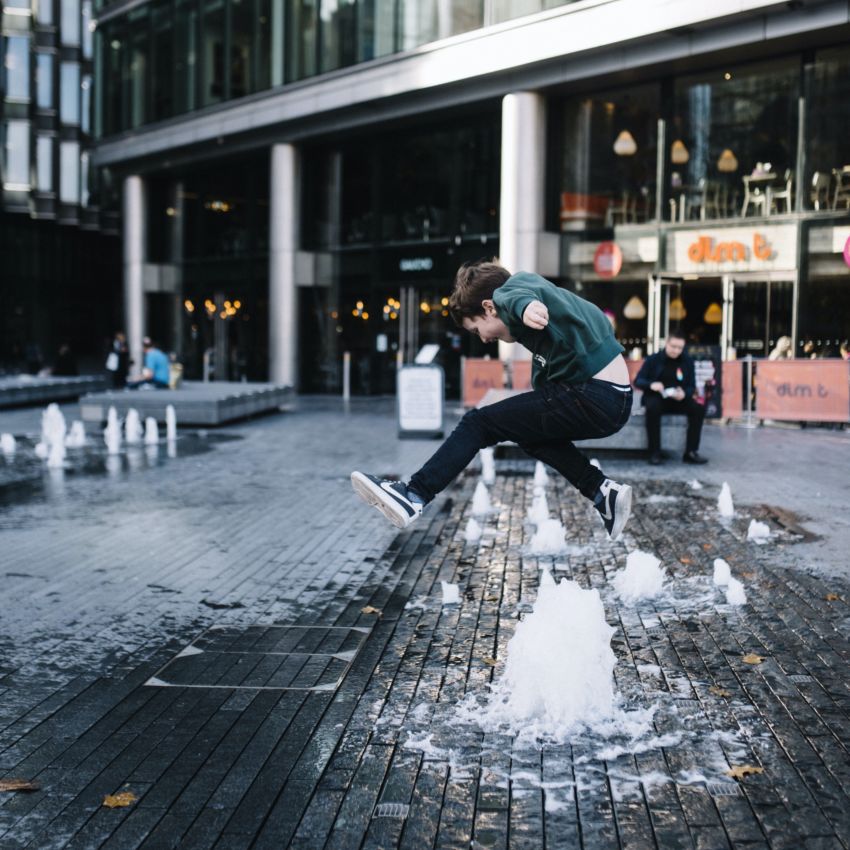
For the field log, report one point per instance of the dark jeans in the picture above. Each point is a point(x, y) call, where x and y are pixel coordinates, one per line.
point(543, 423)
point(656, 405)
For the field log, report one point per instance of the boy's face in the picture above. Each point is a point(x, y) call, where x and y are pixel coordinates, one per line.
point(488, 327)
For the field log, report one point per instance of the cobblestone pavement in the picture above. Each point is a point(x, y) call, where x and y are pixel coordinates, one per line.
point(263, 663)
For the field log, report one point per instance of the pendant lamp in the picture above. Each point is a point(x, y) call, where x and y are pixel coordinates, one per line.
point(677, 310)
point(727, 162)
point(634, 309)
point(679, 153)
point(625, 144)
point(713, 314)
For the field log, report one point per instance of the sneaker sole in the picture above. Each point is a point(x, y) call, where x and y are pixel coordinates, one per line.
point(376, 498)
point(623, 510)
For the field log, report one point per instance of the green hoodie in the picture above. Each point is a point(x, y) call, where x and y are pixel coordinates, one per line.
point(576, 344)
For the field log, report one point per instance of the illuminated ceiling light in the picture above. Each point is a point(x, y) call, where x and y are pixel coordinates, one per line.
point(679, 153)
point(237, 304)
point(677, 310)
point(634, 309)
point(444, 302)
point(170, 212)
point(625, 144)
point(365, 316)
point(727, 76)
point(714, 314)
point(359, 305)
point(727, 162)
point(190, 307)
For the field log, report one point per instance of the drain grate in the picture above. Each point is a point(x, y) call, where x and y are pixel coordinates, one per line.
point(689, 704)
point(801, 678)
point(264, 657)
point(391, 810)
point(723, 789)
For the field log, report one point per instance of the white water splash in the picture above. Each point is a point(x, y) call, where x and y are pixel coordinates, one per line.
point(642, 578)
point(724, 501)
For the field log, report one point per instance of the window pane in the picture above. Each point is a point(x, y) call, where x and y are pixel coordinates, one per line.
point(69, 93)
point(44, 11)
point(301, 39)
point(376, 29)
point(17, 170)
point(137, 71)
point(17, 68)
point(212, 46)
point(338, 20)
point(88, 32)
point(44, 164)
point(85, 104)
point(163, 63)
point(69, 172)
point(17, 4)
point(70, 22)
point(84, 179)
point(44, 80)
point(241, 27)
point(185, 62)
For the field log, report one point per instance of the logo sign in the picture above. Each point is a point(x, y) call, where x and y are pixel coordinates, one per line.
point(847, 251)
point(803, 390)
point(416, 264)
point(608, 259)
point(733, 249)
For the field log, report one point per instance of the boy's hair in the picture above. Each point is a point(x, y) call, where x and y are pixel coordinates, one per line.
point(677, 333)
point(475, 282)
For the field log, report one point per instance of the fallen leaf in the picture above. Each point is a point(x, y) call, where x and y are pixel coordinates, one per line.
point(706, 546)
point(832, 597)
point(370, 610)
point(719, 692)
point(742, 770)
point(492, 599)
point(752, 658)
point(490, 662)
point(18, 785)
point(120, 800)
point(748, 575)
point(685, 561)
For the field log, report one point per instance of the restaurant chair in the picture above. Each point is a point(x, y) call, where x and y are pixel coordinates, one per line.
point(782, 194)
point(621, 213)
point(712, 199)
point(842, 187)
point(820, 190)
point(753, 195)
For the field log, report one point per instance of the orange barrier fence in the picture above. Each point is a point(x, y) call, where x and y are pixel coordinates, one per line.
point(803, 390)
point(480, 375)
point(732, 389)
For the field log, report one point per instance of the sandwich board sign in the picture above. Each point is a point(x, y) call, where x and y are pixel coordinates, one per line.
point(420, 394)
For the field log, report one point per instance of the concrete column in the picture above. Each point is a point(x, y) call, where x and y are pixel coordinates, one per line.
point(283, 243)
point(521, 207)
point(135, 247)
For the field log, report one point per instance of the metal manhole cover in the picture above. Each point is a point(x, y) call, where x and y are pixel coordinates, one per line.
point(391, 810)
point(264, 657)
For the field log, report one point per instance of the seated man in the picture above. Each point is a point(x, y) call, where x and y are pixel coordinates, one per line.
point(668, 384)
point(157, 368)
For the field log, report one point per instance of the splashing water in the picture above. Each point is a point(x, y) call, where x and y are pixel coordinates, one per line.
point(642, 578)
point(758, 530)
point(76, 438)
point(451, 593)
point(53, 430)
point(724, 501)
point(549, 539)
point(133, 427)
point(735, 594)
point(541, 479)
point(559, 671)
point(488, 466)
point(151, 431)
point(481, 500)
point(7, 444)
point(170, 423)
point(539, 510)
point(473, 531)
point(112, 432)
point(722, 572)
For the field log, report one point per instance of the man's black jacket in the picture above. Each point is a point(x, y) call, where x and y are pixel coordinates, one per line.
point(653, 369)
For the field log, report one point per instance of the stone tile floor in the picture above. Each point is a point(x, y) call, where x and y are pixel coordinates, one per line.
point(110, 574)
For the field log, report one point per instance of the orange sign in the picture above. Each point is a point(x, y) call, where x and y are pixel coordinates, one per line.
point(706, 250)
point(803, 390)
point(732, 388)
point(521, 374)
point(608, 259)
point(480, 375)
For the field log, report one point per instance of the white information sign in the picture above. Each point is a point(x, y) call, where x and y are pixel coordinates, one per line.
point(420, 401)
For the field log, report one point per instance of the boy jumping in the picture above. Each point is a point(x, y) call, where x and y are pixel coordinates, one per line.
point(581, 391)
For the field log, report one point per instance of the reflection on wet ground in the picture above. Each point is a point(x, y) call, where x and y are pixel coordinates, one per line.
point(26, 478)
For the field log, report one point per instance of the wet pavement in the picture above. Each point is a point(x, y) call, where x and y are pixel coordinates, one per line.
point(225, 632)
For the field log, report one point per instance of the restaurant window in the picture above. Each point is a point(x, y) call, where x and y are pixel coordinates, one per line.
point(738, 125)
point(17, 68)
point(828, 130)
point(44, 80)
point(16, 168)
point(607, 158)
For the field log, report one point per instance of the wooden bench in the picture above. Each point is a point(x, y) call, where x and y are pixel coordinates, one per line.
point(631, 437)
point(195, 402)
point(20, 390)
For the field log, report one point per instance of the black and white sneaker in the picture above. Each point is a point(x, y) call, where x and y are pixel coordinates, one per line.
point(614, 503)
point(391, 498)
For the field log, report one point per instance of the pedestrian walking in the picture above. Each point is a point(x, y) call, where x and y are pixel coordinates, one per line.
point(118, 360)
point(668, 381)
point(580, 390)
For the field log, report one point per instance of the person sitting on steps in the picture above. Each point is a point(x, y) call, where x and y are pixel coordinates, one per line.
point(668, 384)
